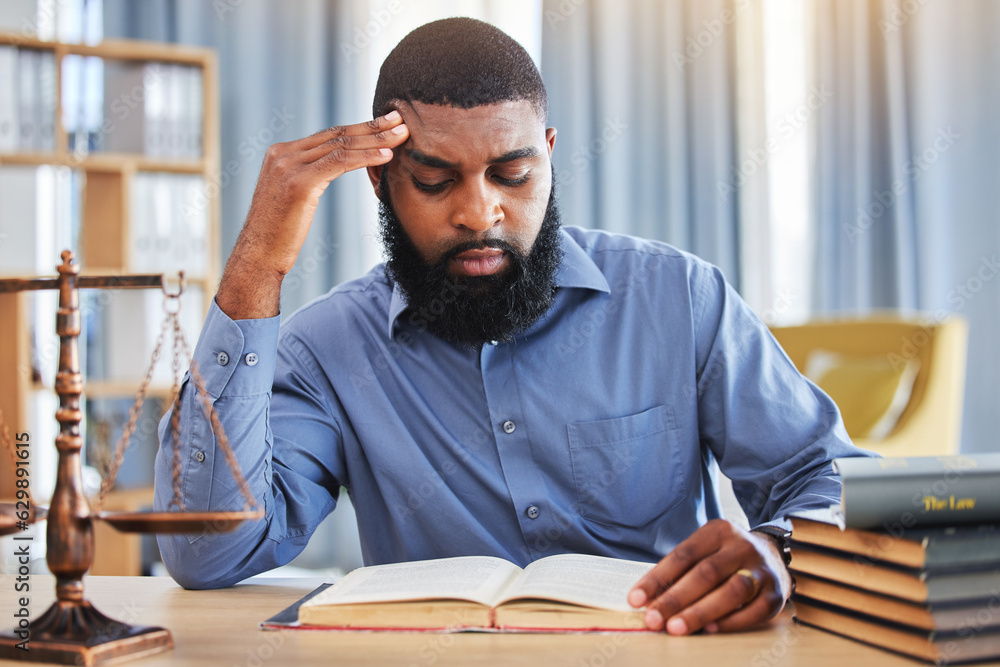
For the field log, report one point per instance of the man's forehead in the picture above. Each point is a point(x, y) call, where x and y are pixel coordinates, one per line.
point(451, 132)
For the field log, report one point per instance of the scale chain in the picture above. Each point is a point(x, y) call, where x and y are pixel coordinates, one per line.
point(180, 346)
point(109, 480)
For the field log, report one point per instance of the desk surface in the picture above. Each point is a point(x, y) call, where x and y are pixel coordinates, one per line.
point(221, 628)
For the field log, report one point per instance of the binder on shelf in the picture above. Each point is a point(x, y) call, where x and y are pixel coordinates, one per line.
point(48, 195)
point(18, 202)
point(124, 106)
point(174, 112)
point(47, 81)
point(71, 82)
point(194, 102)
point(92, 103)
point(10, 124)
point(157, 92)
point(27, 60)
point(169, 224)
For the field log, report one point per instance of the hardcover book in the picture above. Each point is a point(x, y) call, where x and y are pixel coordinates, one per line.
point(912, 584)
point(943, 648)
point(924, 490)
point(915, 547)
point(963, 616)
point(563, 593)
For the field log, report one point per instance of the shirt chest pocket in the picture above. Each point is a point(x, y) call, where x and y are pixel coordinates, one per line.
point(627, 471)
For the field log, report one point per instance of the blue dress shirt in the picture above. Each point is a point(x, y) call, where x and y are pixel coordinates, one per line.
point(595, 431)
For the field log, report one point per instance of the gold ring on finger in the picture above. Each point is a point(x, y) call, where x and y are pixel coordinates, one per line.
point(754, 581)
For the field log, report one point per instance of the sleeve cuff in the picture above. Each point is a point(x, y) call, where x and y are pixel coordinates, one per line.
point(237, 356)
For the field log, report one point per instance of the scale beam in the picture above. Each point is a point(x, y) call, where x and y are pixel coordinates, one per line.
point(8, 285)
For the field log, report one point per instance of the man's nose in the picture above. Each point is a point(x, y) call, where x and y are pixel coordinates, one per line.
point(478, 207)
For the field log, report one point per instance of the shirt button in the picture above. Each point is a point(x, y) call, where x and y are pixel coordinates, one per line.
point(532, 512)
point(222, 358)
point(199, 456)
point(251, 359)
point(509, 426)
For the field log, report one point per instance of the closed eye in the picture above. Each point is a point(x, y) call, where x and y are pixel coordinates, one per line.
point(430, 187)
point(513, 182)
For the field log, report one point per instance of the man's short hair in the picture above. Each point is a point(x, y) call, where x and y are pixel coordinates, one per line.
point(459, 62)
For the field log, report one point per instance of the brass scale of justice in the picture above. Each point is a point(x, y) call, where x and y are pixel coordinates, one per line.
point(72, 630)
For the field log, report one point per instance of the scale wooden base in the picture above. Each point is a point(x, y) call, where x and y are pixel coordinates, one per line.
point(76, 633)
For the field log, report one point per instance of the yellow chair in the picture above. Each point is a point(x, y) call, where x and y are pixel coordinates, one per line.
point(931, 422)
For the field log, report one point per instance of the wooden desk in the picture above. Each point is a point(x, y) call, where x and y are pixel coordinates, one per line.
point(220, 628)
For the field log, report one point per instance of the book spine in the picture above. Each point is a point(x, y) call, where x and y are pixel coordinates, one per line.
point(962, 497)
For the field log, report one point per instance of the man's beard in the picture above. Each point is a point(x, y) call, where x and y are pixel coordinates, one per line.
point(472, 310)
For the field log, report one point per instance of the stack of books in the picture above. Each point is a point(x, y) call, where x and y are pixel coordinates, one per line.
point(910, 560)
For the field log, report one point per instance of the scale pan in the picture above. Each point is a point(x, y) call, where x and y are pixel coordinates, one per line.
point(177, 522)
point(9, 520)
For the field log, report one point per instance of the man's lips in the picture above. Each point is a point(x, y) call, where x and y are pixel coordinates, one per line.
point(479, 262)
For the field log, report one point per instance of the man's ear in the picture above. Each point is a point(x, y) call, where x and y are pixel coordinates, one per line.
point(375, 175)
point(550, 138)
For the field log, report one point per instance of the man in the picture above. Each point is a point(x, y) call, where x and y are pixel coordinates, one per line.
point(503, 385)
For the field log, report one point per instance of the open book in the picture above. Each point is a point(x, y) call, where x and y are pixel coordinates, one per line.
point(560, 593)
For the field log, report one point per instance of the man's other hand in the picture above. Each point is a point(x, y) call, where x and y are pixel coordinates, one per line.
point(721, 579)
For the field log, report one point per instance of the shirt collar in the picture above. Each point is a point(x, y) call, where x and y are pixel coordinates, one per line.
point(576, 270)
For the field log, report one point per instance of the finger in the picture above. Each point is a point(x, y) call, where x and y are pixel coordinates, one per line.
point(390, 138)
point(373, 126)
point(763, 607)
point(708, 576)
point(339, 162)
point(684, 556)
point(733, 594)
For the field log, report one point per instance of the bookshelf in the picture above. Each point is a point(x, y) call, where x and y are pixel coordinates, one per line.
point(111, 150)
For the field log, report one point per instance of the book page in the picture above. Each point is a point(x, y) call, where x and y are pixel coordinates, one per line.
point(474, 578)
point(592, 581)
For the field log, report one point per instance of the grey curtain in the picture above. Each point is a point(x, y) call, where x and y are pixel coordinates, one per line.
point(907, 186)
point(642, 95)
